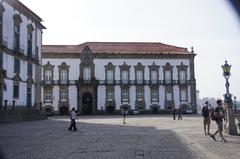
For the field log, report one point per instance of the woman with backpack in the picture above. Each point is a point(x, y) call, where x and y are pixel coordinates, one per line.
point(206, 118)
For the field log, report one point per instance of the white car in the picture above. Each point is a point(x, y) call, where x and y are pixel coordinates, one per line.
point(189, 111)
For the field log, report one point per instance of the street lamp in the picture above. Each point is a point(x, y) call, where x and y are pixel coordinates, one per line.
point(232, 130)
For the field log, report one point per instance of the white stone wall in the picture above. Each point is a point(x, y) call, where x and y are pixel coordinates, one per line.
point(8, 60)
point(100, 75)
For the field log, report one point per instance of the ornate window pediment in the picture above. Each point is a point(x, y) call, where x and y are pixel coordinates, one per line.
point(167, 73)
point(17, 78)
point(125, 73)
point(154, 73)
point(30, 28)
point(30, 81)
point(17, 19)
point(87, 57)
point(182, 73)
point(110, 73)
point(48, 72)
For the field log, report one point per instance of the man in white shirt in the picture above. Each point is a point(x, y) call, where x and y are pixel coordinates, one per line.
point(73, 118)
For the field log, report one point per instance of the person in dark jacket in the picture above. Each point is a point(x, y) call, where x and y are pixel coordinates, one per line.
point(179, 114)
point(206, 118)
point(174, 113)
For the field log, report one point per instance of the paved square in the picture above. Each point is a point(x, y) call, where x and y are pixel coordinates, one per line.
point(148, 137)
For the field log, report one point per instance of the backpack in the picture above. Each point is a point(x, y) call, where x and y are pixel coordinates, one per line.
point(205, 112)
point(213, 117)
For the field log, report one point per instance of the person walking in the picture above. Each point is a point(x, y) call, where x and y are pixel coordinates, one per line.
point(218, 116)
point(73, 122)
point(206, 118)
point(179, 114)
point(124, 113)
point(174, 113)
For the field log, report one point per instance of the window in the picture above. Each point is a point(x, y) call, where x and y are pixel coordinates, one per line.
point(48, 75)
point(168, 77)
point(109, 76)
point(16, 65)
point(154, 77)
point(125, 95)
point(48, 96)
point(139, 95)
point(109, 95)
point(182, 77)
point(64, 95)
point(29, 36)
point(183, 95)
point(87, 73)
point(139, 77)
point(63, 75)
point(125, 77)
point(16, 43)
point(29, 69)
point(169, 96)
point(154, 95)
point(16, 90)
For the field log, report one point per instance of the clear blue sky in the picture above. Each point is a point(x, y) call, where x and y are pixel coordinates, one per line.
point(210, 26)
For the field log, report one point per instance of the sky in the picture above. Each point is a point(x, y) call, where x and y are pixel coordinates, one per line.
point(212, 27)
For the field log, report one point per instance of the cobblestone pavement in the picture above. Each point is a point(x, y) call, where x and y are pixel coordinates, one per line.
point(105, 137)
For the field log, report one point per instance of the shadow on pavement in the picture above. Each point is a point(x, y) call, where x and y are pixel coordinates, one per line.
point(51, 139)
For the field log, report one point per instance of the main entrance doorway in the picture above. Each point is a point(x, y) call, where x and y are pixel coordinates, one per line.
point(63, 110)
point(87, 103)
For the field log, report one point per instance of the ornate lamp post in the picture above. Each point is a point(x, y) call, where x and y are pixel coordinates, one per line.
point(232, 130)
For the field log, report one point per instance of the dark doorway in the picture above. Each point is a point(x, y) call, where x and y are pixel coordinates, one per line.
point(63, 110)
point(110, 109)
point(87, 103)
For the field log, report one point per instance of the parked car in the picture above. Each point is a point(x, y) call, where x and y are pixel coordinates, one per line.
point(135, 112)
point(189, 111)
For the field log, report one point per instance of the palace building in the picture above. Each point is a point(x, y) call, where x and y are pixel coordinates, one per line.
point(20, 55)
point(104, 77)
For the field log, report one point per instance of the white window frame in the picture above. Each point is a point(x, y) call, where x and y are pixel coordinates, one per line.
point(124, 76)
point(48, 96)
point(109, 95)
point(154, 77)
point(168, 77)
point(109, 76)
point(48, 76)
point(139, 76)
point(63, 75)
point(139, 95)
point(183, 94)
point(182, 77)
point(125, 95)
point(64, 95)
point(87, 73)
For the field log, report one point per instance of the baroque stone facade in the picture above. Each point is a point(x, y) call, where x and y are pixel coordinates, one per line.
point(104, 77)
point(20, 55)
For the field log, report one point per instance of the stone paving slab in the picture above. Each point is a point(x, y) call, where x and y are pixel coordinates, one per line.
point(143, 137)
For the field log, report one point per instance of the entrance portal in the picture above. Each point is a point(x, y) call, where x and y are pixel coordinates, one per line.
point(63, 110)
point(87, 103)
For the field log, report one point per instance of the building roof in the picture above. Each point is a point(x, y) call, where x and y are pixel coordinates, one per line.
point(117, 47)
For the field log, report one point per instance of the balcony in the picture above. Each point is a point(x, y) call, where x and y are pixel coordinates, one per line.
point(18, 50)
